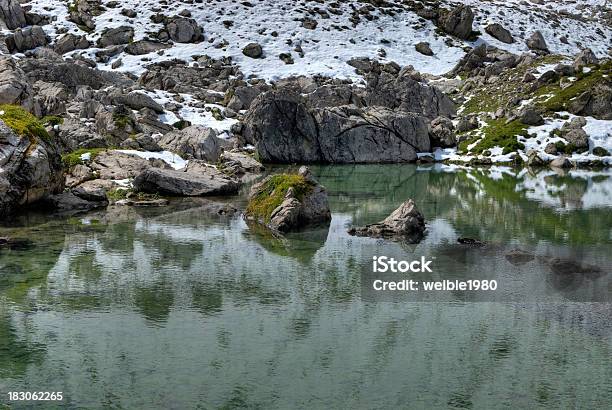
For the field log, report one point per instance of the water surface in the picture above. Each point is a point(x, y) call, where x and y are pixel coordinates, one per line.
point(177, 308)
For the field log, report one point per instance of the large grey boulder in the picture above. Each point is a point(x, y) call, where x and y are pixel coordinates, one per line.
point(458, 22)
point(27, 39)
point(498, 32)
point(141, 47)
point(12, 15)
point(83, 12)
point(70, 42)
point(197, 180)
point(537, 43)
point(195, 142)
point(285, 129)
point(406, 223)
point(116, 36)
point(442, 133)
point(303, 204)
point(14, 86)
point(595, 102)
point(584, 58)
point(183, 30)
point(30, 169)
point(404, 92)
point(137, 101)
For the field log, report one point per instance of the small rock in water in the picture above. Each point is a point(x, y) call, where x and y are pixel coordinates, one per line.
point(405, 223)
point(519, 257)
point(471, 242)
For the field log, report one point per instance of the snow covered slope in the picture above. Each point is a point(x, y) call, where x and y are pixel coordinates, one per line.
point(387, 32)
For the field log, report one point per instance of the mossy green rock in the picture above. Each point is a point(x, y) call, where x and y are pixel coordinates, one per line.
point(288, 202)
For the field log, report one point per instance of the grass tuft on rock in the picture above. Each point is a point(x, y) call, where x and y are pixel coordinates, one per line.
point(74, 158)
point(272, 193)
point(23, 123)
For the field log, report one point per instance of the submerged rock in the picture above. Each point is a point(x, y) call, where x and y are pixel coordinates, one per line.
point(405, 223)
point(288, 202)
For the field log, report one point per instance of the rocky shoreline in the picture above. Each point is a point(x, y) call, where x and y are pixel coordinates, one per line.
point(75, 137)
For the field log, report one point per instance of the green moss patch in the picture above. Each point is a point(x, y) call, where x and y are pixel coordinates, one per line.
point(558, 98)
point(497, 133)
point(272, 192)
point(22, 122)
point(74, 158)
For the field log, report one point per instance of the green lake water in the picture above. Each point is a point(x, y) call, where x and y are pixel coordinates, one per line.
point(176, 308)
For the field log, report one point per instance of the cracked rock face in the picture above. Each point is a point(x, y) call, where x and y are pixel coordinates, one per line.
point(30, 169)
point(406, 223)
point(285, 129)
point(12, 15)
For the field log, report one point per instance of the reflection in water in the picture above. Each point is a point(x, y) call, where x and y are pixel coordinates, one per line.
point(177, 308)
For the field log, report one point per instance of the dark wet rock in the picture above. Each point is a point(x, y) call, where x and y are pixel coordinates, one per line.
point(458, 22)
point(442, 133)
point(537, 43)
point(69, 202)
point(471, 242)
point(26, 39)
point(498, 31)
point(30, 169)
point(285, 129)
point(600, 152)
point(116, 36)
point(405, 223)
point(519, 257)
point(302, 204)
point(201, 181)
point(15, 243)
point(252, 50)
point(143, 203)
point(424, 48)
point(566, 267)
point(195, 142)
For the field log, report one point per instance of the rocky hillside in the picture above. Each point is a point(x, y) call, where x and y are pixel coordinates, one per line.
point(183, 98)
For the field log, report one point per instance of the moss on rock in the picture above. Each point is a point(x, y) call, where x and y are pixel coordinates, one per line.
point(23, 123)
point(271, 192)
